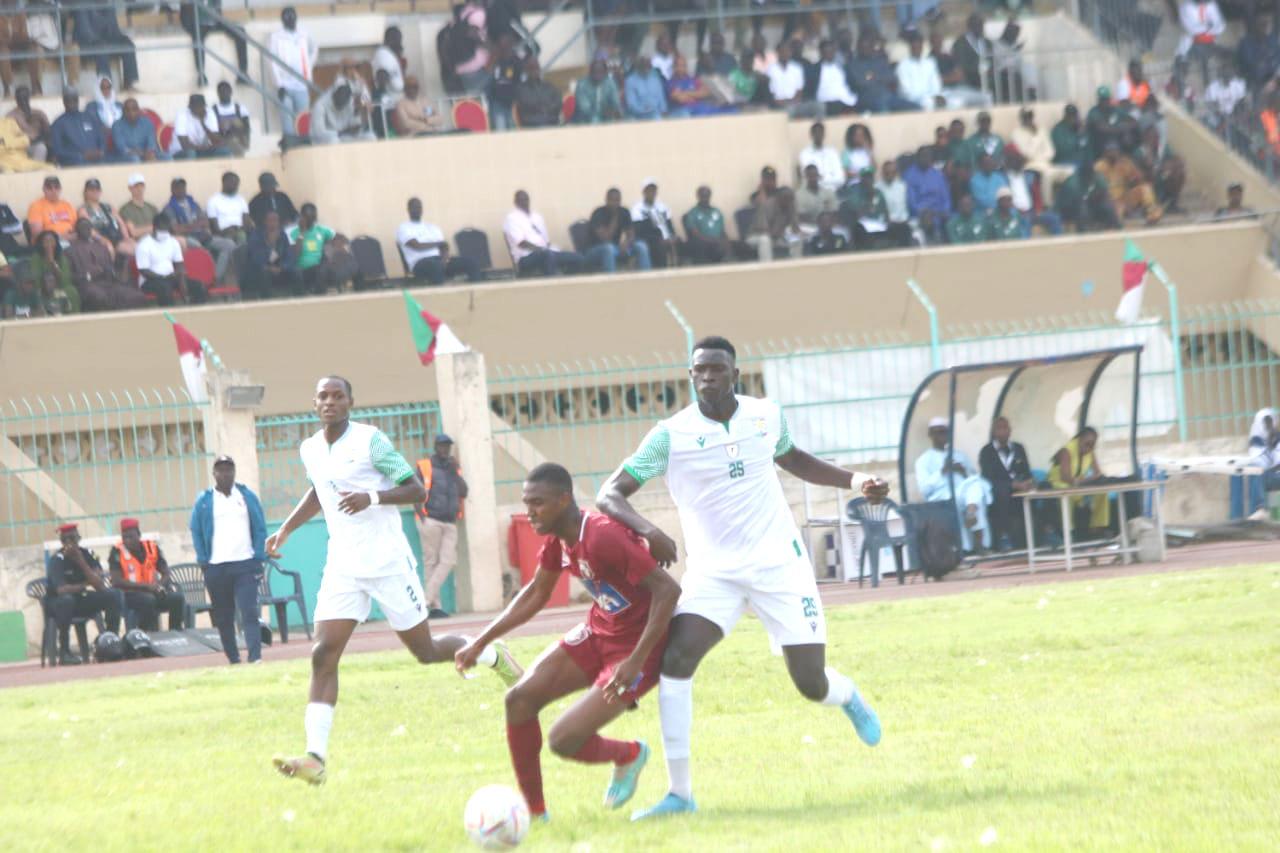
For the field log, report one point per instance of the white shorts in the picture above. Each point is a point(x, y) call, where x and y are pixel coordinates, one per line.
point(399, 595)
point(785, 599)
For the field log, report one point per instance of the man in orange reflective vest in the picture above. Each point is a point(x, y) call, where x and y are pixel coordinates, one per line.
point(139, 570)
point(438, 519)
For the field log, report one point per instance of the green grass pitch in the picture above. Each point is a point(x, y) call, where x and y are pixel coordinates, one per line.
point(1139, 713)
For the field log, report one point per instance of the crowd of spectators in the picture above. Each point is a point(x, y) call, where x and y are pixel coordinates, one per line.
point(96, 258)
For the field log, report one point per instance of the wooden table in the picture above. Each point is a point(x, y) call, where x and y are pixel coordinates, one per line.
point(1064, 497)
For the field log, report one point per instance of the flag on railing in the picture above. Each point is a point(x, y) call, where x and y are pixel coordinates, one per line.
point(431, 335)
point(191, 360)
point(1133, 277)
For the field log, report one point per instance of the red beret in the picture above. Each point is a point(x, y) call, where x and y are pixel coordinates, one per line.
point(67, 528)
point(126, 523)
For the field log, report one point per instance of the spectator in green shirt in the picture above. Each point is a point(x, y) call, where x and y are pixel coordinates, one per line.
point(966, 225)
point(866, 212)
point(52, 274)
point(1004, 223)
point(1068, 138)
point(984, 141)
point(596, 99)
point(704, 226)
point(309, 240)
point(1084, 200)
point(959, 151)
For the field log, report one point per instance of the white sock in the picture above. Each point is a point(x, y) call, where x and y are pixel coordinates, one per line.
point(318, 720)
point(488, 657)
point(675, 706)
point(839, 688)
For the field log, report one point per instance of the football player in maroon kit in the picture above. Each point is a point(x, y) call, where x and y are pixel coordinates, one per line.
point(616, 653)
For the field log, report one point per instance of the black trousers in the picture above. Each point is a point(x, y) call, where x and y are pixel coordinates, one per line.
point(261, 283)
point(436, 271)
point(704, 251)
point(125, 52)
point(148, 606)
point(187, 15)
point(64, 608)
point(232, 586)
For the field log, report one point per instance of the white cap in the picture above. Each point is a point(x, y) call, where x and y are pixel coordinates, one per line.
point(648, 182)
point(939, 421)
point(136, 178)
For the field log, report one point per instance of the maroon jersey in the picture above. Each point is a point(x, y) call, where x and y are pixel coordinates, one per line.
point(611, 560)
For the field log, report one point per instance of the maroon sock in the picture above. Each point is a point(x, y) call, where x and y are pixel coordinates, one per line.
point(601, 750)
point(525, 742)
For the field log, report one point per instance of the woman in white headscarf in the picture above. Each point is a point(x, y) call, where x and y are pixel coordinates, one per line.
point(1264, 448)
point(105, 105)
point(1264, 427)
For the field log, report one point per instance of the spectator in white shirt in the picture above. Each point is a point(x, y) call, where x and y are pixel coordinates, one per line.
point(1202, 24)
point(426, 252)
point(336, 119)
point(651, 219)
point(160, 269)
point(786, 79)
point(531, 248)
point(232, 120)
point(228, 212)
point(918, 78)
point(389, 57)
point(827, 159)
point(297, 50)
point(894, 190)
point(833, 91)
point(1223, 95)
point(1036, 148)
point(229, 532)
point(664, 56)
point(195, 133)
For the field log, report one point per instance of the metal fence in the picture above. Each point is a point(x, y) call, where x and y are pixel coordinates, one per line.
point(283, 480)
point(847, 396)
point(94, 458)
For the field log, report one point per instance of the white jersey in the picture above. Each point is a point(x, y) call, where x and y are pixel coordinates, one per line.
point(369, 543)
point(724, 482)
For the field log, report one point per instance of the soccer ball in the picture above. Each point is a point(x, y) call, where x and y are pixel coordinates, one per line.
point(496, 817)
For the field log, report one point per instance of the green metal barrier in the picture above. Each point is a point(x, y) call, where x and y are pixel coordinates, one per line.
point(95, 457)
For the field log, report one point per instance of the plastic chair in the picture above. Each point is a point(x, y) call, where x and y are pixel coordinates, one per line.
point(166, 137)
point(156, 121)
point(303, 123)
point(469, 114)
point(743, 217)
point(190, 580)
point(36, 590)
point(367, 252)
point(580, 235)
point(568, 106)
point(474, 244)
point(874, 519)
point(281, 602)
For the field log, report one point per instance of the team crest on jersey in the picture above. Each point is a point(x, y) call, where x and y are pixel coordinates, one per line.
point(761, 425)
point(584, 569)
point(732, 450)
point(577, 635)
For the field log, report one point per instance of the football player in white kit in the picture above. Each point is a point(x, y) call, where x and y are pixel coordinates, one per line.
point(718, 456)
point(359, 480)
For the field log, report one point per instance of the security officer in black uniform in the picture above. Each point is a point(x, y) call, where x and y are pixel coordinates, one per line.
point(76, 587)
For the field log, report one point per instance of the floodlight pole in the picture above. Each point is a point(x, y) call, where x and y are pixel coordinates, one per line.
point(935, 343)
point(1175, 329)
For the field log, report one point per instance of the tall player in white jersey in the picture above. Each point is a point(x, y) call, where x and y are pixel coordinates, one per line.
point(718, 457)
point(359, 480)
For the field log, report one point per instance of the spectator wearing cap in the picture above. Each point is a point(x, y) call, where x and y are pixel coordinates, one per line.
point(195, 133)
point(1235, 208)
point(106, 225)
point(160, 268)
point(271, 197)
point(229, 532)
point(1004, 223)
point(76, 587)
point(76, 136)
point(134, 136)
point(139, 570)
point(1070, 145)
point(438, 519)
point(918, 78)
point(137, 213)
point(652, 220)
point(51, 212)
point(426, 251)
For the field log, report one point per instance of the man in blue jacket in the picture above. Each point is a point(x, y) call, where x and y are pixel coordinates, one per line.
point(229, 531)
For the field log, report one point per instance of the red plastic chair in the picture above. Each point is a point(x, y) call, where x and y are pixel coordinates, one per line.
point(166, 137)
point(199, 265)
point(470, 115)
point(154, 118)
point(303, 123)
point(568, 107)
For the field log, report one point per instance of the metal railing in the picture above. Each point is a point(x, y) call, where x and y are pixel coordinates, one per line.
point(847, 395)
point(95, 457)
point(410, 426)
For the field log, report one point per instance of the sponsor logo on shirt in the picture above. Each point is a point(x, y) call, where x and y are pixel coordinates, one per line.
point(702, 439)
point(606, 597)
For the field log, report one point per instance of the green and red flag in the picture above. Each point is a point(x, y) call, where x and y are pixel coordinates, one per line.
point(1133, 277)
point(431, 335)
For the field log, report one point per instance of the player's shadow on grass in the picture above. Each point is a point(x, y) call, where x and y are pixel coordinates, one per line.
point(928, 797)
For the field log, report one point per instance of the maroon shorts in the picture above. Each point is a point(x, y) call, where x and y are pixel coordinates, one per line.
point(597, 656)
